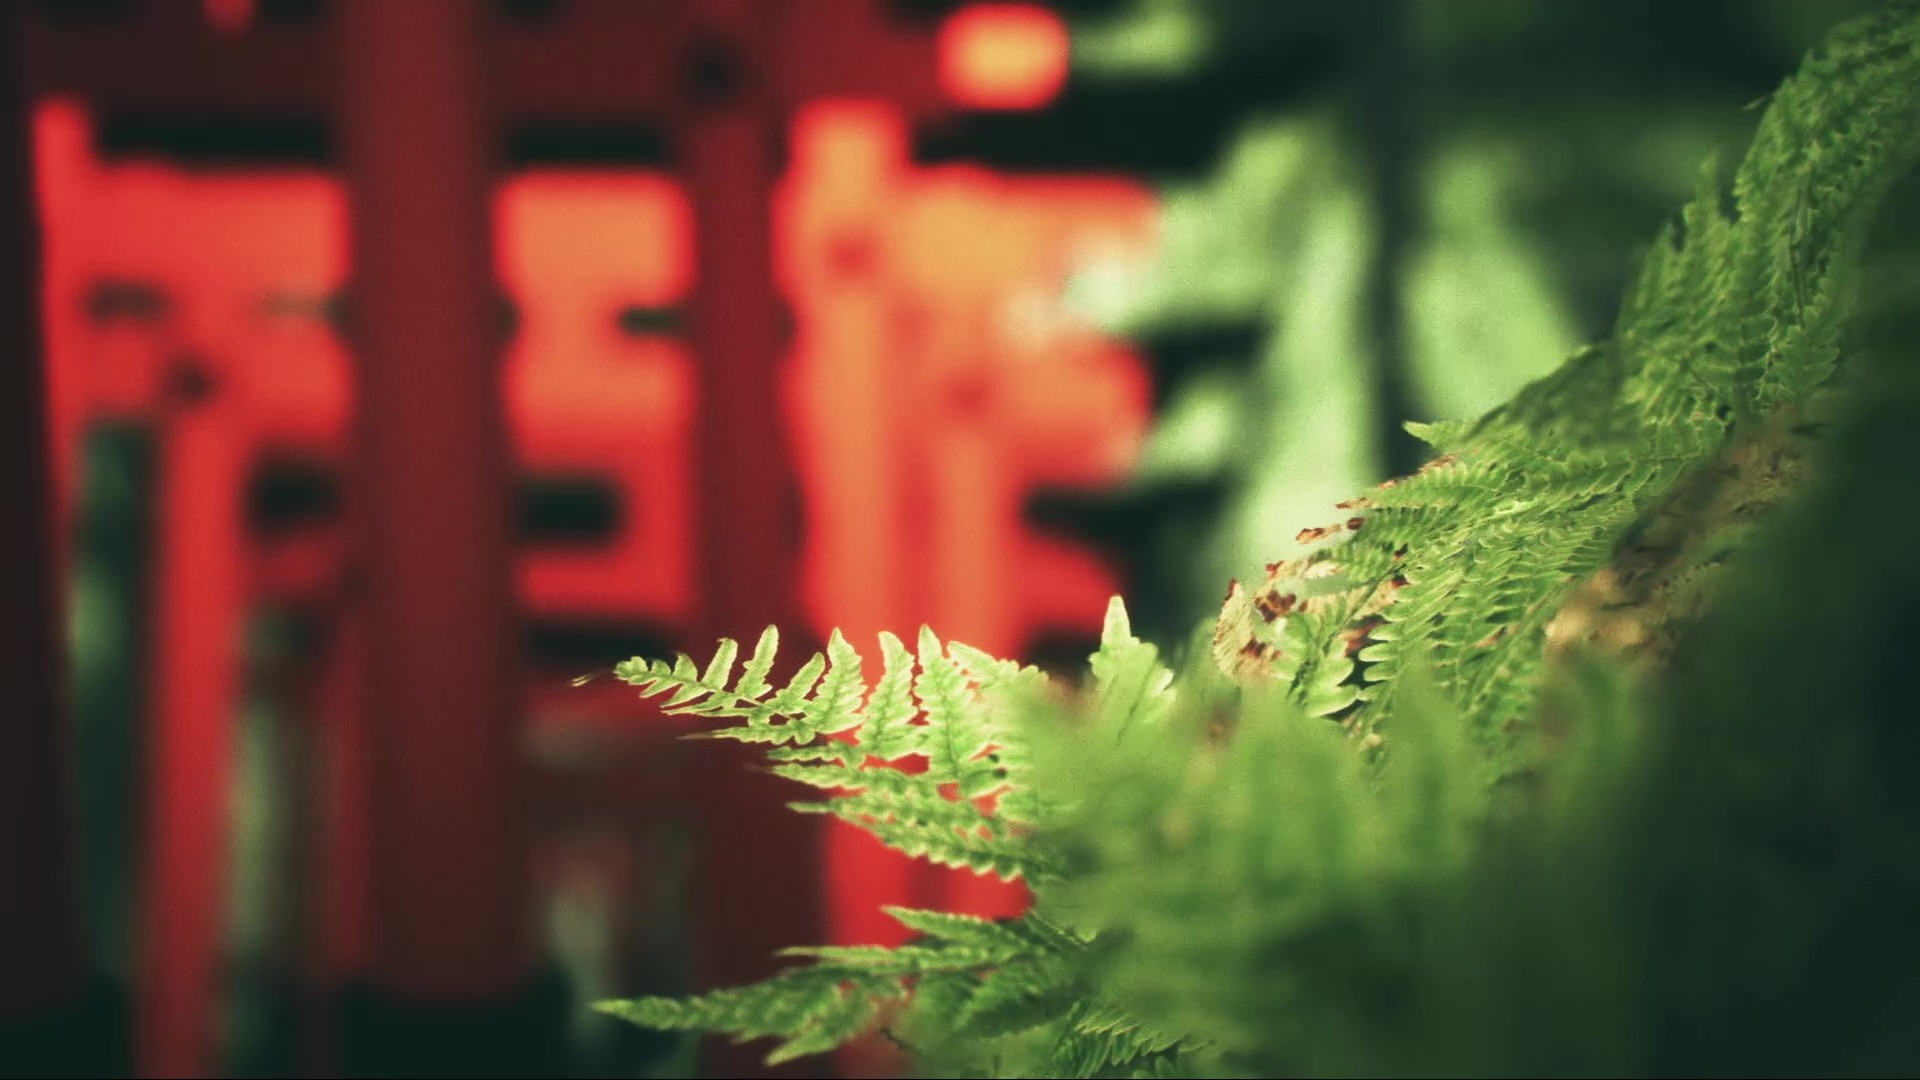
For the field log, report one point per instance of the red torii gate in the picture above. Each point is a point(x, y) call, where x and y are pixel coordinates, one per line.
point(580, 397)
point(738, 148)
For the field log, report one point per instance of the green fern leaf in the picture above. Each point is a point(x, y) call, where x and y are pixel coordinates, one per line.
point(1003, 939)
point(849, 1017)
point(1099, 1039)
point(956, 735)
point(753, 678)
point(791, 699)
point(836, 707)
point(786, 1006)
point(720, 668)
point(885, 733)
point(1017, 998)
point(917, 820)
point(1130, 684)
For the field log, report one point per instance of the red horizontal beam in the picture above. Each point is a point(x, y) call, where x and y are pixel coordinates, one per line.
point(599, 60)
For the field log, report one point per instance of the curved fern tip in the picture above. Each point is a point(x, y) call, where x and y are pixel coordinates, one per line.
point(1428, 433)
point(1117, 629)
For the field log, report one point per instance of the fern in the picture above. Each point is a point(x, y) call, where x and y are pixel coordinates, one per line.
point(826, 729)
point(845, 990)
point(1130, 684)
point(974, 805)
point(1730, 326)
point(1223, 885)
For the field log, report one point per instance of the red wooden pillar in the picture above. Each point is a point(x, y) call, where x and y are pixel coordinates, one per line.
point(42, 960)
point(198, 610)
point(759, 861)
point(452, 973)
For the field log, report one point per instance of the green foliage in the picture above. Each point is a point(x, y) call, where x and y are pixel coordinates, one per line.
point(948, 706)
point(1252, 882)
point(1715, 863)
point(1724, 330)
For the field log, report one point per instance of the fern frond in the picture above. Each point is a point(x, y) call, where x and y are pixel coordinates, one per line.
point(1732, 320)
point(1003, 939)
point(953, 705)
point(885, 734)
point(846, 990)
point(1016, 998)
point(1102, 1040)
point(957, 732)
point(711, 693)
point(811, 1009)
point(1130, 684)
point(917, 820)
point(946, 943)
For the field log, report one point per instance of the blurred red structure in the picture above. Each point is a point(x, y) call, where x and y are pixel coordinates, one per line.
point(937, 387)
point(931, 384)
point(1002, 56)
point(245, 263)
